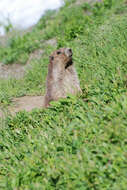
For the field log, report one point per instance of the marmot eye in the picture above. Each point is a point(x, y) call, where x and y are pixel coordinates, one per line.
point(51, 58)
point(58, 52)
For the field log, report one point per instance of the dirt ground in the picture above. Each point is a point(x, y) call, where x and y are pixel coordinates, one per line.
point(27, 103)
point(16, 70)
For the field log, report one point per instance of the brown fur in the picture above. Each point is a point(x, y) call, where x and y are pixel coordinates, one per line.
point(62, 78)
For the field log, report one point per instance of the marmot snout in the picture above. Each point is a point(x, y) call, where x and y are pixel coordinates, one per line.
point(62, 78)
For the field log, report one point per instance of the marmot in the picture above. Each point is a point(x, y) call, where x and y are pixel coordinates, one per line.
point(62, 78)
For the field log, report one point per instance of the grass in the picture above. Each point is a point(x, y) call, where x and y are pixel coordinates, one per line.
point(79, 142)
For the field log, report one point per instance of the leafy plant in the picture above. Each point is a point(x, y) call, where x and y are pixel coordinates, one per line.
point(79, 142)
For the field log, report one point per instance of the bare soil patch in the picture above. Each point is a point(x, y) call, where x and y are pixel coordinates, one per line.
point(27, 103)
point(16, 70)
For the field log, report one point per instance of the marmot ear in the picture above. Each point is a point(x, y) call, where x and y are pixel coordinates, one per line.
point(51, 58)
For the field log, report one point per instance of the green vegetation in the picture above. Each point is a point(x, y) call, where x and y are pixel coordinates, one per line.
point(79, 142)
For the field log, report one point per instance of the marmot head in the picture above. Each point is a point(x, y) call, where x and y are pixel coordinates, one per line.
point(62, 56)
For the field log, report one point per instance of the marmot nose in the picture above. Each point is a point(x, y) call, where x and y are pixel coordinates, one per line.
point(68, 52)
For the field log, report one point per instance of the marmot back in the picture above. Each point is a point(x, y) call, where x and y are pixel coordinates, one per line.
point(62, 78)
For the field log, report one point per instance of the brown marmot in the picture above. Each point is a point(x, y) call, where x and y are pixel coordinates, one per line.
point(62, 78)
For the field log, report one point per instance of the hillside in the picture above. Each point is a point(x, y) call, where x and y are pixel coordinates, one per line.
point(79, 142)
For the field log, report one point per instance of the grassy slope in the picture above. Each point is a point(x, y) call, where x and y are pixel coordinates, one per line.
point(79, 142)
